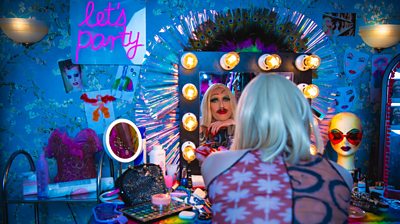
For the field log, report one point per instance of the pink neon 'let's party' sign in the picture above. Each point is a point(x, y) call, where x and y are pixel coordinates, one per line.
point(108, 32)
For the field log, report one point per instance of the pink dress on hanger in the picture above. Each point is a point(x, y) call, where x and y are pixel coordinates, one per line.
point(75, 156)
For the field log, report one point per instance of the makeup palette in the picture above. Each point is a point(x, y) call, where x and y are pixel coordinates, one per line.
point(146, 212)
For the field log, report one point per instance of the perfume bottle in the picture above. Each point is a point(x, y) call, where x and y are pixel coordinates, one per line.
point(42, 174)
point(157, 156)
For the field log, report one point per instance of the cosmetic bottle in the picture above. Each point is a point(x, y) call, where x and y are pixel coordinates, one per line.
point(157, 156)
point(42, 174)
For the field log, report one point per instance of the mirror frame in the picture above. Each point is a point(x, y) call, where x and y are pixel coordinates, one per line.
point(209, 62)
point(384, 153)
point(106, 141)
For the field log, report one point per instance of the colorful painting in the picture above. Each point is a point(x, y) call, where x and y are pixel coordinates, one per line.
point(99, 109)
point(379, 63)
point(71, 75)
point(125, 83)
point(339, 24)
point(354, 63)
point(344, 98)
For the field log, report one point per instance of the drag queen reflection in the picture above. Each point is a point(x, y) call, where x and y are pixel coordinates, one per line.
point(217, 121)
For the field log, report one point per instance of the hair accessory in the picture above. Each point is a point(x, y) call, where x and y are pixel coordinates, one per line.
point(111, 197)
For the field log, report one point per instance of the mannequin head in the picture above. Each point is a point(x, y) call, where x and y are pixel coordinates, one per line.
point(345, 135)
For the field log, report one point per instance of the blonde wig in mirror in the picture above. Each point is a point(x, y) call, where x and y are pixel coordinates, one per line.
point(274, 116)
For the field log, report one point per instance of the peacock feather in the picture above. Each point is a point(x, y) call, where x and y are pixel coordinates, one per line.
point(247, 30)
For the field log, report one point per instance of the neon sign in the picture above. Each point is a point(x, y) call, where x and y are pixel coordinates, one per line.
point(106, 29)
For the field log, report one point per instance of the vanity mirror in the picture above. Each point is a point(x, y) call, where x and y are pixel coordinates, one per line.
point(208, 71)
point(123, 141)
point(260, 30)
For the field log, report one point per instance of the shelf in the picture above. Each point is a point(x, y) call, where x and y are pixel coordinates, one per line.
point(89, 197)
point(19, 198)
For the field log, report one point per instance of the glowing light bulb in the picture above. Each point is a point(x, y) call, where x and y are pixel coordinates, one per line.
point(189, 91)
point(304, 62)
point(312, 61)
point(189, 60)
point(313, 150)
point(229, 60)
point(311, 91)
point(269, 61)
point(189, 122)
point(188, 151)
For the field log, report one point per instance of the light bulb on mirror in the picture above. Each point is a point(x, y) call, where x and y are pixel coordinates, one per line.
point(269, 61)
point(189, 60)
point(301, 86)
point(229, 60)
point(189, 122)
point(304, 62)
point(313, 150)
point(188, 151)
point(189, 91)
point(311, 91)
point(312, 61)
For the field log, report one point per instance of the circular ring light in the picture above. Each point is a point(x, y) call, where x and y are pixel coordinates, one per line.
point(123, 141)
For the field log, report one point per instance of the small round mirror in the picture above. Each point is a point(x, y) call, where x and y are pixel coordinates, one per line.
point(123, 140)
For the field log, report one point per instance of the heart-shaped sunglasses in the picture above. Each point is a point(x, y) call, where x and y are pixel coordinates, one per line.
point(354, 136)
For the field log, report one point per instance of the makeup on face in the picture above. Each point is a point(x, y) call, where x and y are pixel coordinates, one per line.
point(74, 77)
point(355, 62)
point(220, 105)
point(345, 133)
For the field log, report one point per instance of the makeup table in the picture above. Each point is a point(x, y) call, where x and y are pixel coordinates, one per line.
point(390, 213)
point(389, 216)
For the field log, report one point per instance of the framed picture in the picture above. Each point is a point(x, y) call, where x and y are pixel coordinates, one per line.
point(396, 89)
point(339, 24)
point(71, 75)
point(395, 116)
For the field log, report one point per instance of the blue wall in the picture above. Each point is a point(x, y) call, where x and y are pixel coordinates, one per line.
point(34, 102)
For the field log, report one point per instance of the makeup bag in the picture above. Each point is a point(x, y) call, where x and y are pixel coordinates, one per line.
point(138, 183)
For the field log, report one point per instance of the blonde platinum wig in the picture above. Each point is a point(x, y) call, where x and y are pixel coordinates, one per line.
point(206, 115)
point(274, 116)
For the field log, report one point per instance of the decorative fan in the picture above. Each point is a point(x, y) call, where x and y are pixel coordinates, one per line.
point(241, 30)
